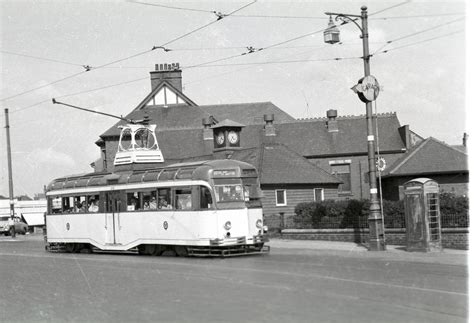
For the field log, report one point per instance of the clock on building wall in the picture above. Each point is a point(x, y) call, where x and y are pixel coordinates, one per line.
point(227, 134)
point(233, 137)
point(220, 138)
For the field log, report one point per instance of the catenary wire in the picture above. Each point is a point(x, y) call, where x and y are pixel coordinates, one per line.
point(40, 58)
point(123, 59)
point(420, 42)
point(169, 7)
point(417, 33)
point(200, 65)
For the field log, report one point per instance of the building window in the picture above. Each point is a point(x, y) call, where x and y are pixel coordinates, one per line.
point(318, 194)
point(280, 196)
point(343, 172)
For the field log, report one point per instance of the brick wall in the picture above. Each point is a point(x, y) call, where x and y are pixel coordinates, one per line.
point(452, 238)
point(278, 217)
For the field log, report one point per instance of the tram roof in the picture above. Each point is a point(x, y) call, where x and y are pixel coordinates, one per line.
point(186, 171)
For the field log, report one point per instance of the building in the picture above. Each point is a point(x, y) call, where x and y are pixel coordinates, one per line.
point(298, 160)
point(430, 158)
point(30, 211)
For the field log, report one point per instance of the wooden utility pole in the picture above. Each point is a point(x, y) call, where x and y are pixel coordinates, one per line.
point(10, 175)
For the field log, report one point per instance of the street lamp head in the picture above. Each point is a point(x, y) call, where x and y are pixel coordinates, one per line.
point(331, 34)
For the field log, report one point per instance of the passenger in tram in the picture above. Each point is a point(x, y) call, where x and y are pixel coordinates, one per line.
point(78, 207)
point(133, 205)
point(93, 207)
point(153, 203)
point(184, 202)
point(163, 204)
point(146, 205)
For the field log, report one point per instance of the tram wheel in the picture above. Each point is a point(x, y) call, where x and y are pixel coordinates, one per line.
point(159, 249)
point(141, 249)
point(181, 251)
point(70, 247)
point(149, 249)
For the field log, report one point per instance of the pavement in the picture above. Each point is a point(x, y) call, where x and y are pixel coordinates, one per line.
point(337, 248)
point(392, 252)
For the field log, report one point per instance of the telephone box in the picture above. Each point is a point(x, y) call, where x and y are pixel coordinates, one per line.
point(422, 216)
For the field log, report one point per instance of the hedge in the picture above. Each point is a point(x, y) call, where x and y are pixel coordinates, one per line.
point(332, 214)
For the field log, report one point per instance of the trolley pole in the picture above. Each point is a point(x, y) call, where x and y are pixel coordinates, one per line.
point(10, 175)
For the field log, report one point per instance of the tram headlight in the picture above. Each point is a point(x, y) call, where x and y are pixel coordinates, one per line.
point(259, 224)
point(228, 225)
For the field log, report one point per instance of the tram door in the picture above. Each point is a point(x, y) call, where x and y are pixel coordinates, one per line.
point(112, 217)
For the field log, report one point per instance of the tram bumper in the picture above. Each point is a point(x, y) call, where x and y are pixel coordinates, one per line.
point(232, 241)
point(232, 246)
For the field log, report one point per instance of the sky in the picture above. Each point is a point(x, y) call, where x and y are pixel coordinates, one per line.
point(419, 59)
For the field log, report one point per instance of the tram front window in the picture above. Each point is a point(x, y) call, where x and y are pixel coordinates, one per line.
point(229, 193)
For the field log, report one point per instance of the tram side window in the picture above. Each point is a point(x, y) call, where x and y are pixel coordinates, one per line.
point(149, 200)
point(133, 201)
point(68, 204)
point(183, 199)
point(79, 204)
point(205, 198)
point(93, 205)
point(164, 199)
point(56, 205)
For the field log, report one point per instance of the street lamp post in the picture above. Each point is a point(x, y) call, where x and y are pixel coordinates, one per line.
point(367, 94)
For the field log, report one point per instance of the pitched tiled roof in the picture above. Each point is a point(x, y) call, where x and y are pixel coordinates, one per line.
point(312, 138)
point(227, 123)
point(429, 156)
point(190, 117)
point(277, 164)
point(171, 118)
point(247, 113)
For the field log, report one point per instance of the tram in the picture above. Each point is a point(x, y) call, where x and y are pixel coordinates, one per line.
point(208, 208)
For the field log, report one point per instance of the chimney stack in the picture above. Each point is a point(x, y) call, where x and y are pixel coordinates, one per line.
point(464, 139)
point(166, 72)
point(331, 124)
point(405, 135)
point(207, 135)
point(269, 127)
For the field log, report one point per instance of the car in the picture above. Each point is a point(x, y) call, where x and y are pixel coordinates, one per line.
point(20, 226)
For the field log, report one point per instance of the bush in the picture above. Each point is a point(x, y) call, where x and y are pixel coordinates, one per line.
point(354, 213)
point(394, 214)
point(454, 210)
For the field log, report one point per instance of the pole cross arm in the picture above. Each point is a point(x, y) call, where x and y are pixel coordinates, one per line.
point(345, 18)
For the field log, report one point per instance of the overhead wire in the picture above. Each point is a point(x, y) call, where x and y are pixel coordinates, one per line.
point(226, 58)
point(419, 16)
point(284, 62)
point(39, 58)
point(294, 17)
point(417, 33)
point(389, 8)
point(80, 92)
point(419, 42)
point(88, 68)
point(169, 7)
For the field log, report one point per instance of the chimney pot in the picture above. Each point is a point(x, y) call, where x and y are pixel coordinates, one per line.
point(167, 72)
point(268, 118)
point(331, 114)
